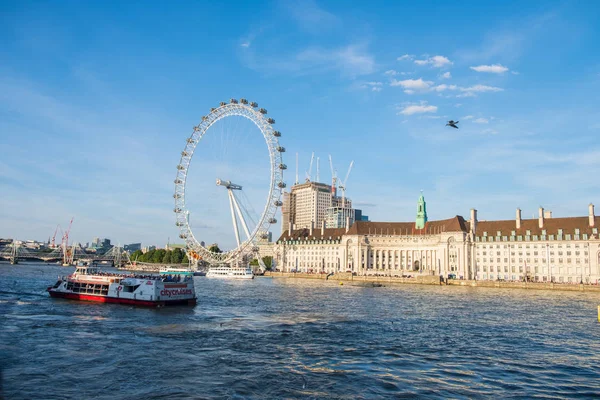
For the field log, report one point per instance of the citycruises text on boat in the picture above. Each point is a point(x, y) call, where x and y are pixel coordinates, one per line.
point(88, 283)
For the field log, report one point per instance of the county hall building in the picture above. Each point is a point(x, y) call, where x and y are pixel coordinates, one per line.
point(543, 249)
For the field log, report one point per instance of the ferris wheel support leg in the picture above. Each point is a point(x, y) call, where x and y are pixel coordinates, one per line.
point(235, 225)
point(237, 208)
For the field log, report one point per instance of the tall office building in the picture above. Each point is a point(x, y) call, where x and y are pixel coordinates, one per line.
point(308, 203)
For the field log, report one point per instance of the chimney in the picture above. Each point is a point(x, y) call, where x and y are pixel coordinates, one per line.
point(473, 221)
point(323, 228)
point(312, 226)
point(347, 224)
point(591, 215)
point(541, 217)
point(547, 214)
point(518, 218)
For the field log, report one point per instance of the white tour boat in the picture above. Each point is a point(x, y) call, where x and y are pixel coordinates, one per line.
point(91, 284)
point(228, 272)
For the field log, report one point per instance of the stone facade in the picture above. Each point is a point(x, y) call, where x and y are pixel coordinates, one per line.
point(544, 249)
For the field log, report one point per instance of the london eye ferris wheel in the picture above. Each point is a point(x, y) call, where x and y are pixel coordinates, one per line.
point(248, 227)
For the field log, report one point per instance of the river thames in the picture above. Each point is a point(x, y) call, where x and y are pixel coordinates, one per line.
point(285, 338)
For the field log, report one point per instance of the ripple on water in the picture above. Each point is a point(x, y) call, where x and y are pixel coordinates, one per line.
point(275, 338)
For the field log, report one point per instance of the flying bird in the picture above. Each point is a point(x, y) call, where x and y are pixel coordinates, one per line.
point(452, 124)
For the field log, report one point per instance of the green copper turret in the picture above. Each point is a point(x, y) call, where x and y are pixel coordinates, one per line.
point(421, 213)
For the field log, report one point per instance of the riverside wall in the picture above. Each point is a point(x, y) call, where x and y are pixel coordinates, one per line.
point(435, 280)
point(345, 276)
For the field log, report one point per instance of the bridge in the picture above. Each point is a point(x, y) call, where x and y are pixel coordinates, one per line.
point(67, 255)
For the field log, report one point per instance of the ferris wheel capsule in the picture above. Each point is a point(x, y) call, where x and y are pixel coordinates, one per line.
point(243, 101)
point(281, 149)
point(222, 104)
point(271, 121)
point(262, 111)
point(254, 104)
point(276, 133)
point(233, 101)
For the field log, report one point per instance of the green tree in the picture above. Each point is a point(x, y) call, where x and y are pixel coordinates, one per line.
point(177, 256)
point(147, 257)
point(215, 248)
point(185, 259)
point(136, 255)
point(268, 260)
point(254, 261)
point(167, 258)
point(158, 256)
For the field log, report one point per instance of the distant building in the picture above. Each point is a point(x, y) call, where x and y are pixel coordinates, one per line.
point(132, 247)
point(173, 246)
point(358, 216)
point(148, 248)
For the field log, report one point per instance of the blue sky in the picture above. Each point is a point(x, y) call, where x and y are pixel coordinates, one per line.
point(96, 100)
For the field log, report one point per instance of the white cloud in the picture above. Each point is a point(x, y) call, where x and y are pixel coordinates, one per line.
point(481, 88)
point(406, 57)
point(494, 68)
point(443, 87)
point(458, 105)
point(245, 44)
point(466, 94)
point(350, 60)
point(408, 91)
point(391, 72)
point(489, 131)
point(446, 75)
point(435, 61)
point(468, 117)
point(413, 84)
point(514, 72)
point(421, 108)
point(481, 121)
point(375, 86)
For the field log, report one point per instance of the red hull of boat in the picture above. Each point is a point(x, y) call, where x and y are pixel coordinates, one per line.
point(106, 299)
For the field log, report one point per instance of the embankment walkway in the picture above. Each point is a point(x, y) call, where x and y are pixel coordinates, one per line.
point(435, 280)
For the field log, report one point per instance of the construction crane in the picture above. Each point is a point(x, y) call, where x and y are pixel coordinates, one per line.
point(333, 179)
point(309, 173)
point(318, 177)
point(343, 185)
point(65, 238)
point(53, 242)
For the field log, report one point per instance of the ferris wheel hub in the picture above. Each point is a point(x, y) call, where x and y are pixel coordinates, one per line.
point(228, 184)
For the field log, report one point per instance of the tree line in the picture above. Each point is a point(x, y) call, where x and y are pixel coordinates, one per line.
point(160, 256)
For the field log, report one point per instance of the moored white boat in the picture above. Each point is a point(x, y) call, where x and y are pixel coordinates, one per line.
point(227, 272)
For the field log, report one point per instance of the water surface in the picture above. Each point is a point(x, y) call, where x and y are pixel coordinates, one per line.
point(278, 338)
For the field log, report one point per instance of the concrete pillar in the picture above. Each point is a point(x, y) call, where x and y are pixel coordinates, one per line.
point(541, 217)
point(322, 228)
point(591, 215)
point(518, 219)
point(310, 231)
point(347, 224)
